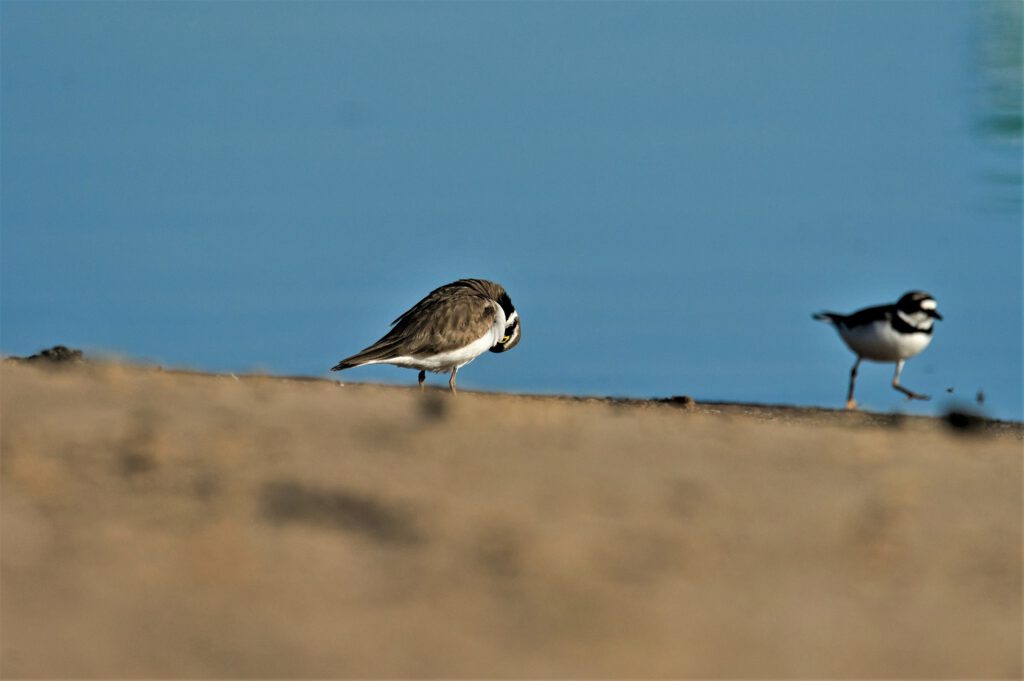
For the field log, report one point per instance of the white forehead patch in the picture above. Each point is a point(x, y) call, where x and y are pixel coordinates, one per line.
point(511, 318)
point(928, 304)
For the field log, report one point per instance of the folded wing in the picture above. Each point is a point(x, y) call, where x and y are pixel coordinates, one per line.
point(448, 319)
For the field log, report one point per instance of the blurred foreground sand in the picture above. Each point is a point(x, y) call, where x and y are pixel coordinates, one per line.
point(168, 525)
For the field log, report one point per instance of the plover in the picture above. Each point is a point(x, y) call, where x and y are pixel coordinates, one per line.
point(448, 329)
point(887, 333)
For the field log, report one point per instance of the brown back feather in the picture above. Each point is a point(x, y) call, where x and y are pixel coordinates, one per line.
point(449, 317)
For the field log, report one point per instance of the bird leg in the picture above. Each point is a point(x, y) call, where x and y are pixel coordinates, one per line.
point(451, 381)
point(911, 395)
point(423, 377)
point(850, 402)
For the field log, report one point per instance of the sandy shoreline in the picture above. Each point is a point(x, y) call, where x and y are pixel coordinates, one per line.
point(968, 421)
point(159, 523)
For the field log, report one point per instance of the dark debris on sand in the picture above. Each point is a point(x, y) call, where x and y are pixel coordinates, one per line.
point(58, 354)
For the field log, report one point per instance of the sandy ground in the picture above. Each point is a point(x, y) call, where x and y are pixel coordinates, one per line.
point(171, 525)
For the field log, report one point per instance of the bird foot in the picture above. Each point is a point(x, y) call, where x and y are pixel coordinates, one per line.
point(911, 395)
point(851, 404)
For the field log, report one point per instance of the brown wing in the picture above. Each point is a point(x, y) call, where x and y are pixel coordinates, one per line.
point(462, 287)
point(450, 317)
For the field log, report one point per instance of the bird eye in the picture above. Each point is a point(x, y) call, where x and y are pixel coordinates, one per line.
point(505, 339)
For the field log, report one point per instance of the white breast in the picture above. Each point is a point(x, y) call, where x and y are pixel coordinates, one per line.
point(878, 341)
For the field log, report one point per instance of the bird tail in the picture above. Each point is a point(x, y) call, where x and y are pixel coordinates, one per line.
point(383, 349)
point(355, 360)
point(830, 317)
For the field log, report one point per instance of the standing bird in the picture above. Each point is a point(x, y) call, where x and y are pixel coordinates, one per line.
point(887, 333)
point(445, 331)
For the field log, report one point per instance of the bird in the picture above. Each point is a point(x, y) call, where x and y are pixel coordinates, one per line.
point(453, 325)
point(887, 333)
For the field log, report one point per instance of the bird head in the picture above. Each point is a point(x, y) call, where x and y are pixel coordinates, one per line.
point(511, 337)
point(918, 309)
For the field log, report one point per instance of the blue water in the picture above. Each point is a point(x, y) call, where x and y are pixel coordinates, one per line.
point(667, 190)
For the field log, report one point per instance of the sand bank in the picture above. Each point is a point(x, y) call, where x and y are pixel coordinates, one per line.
point(157, 524)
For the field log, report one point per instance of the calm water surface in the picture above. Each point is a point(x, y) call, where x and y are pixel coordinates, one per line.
point(667, 190)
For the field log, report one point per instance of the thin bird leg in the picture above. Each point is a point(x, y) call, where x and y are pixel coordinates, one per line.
point(850, 402)
point(911, 395)
point(423, 377)
point(451, 381)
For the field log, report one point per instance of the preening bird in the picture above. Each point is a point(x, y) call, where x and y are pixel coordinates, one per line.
point(448, 329)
